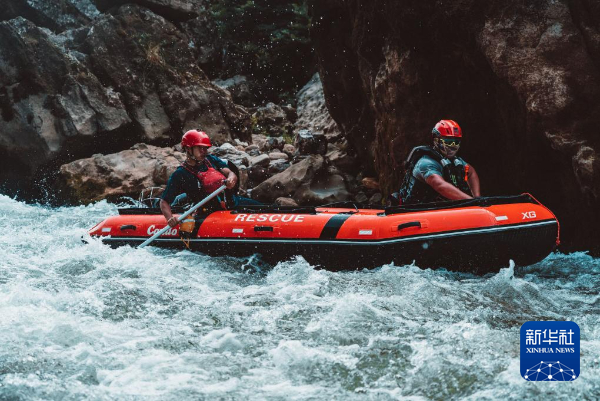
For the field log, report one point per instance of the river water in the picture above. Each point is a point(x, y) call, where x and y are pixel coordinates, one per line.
point(84, 321)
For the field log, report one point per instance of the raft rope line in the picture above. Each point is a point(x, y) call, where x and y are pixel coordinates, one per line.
point(419, 237)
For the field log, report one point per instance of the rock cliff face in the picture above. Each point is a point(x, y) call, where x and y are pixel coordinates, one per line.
point(312, 111)
point(54, 15)
point(522, 79)
point(173, 10)
point(124, 77)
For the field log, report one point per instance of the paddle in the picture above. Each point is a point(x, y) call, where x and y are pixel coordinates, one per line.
point(183, 216)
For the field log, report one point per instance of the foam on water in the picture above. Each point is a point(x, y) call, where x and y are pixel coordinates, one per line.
point(86, 321)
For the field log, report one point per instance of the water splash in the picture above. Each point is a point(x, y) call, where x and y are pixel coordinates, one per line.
point(90, 322)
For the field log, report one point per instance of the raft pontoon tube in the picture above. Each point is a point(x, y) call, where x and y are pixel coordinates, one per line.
point(478, 235)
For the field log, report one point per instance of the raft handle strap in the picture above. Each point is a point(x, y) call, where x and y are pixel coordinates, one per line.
point(263, 228)
point(411, 224)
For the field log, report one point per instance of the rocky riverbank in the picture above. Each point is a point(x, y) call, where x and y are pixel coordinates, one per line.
point(294, 157)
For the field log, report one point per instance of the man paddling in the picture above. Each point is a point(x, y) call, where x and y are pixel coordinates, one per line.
point(435, 173)
point(198, 176)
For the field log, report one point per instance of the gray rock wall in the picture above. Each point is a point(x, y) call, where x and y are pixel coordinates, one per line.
point(521, 78)
point(124, 77)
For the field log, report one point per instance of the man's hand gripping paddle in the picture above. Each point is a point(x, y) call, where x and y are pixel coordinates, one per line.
point(183, 216)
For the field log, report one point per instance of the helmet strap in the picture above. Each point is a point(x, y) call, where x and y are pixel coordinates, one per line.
point(190, 155)
point(438, 145)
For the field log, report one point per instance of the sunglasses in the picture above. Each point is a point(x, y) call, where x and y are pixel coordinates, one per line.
point(451, 142)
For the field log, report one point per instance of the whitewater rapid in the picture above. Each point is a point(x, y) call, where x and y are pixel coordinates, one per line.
point(84, 321)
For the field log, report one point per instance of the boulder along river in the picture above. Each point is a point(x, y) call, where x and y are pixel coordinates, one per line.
point(84, 321)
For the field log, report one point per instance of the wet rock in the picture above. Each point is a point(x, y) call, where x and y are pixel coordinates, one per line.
point(343, 161)
point(370, 183)
point(265, 41)
point(173, 10)
point(286, 183)
point(289, 149)
point(57, 107)
point(361, 197)
point(278, 166)
point(323, 189)
point(243, 179)
point(152, 117)
point(290, 112)
point(285, 202)
point(351, 183)
point(125, 173)
point(274, 143)
point(56, 16)
point(260, 160)
point(278, 155)
point(312, 111)
point(229, 152)
point(257, 174)
point(253, 151)
point(272, 120)
point(154, 77)
point(86, 7)
point(298, 158)
point(239, 89)
point(307, 182)
point(101, 88)
point(237, 142)
point(375, 199)
point(333, 170)
point(259, 140)
point(203, 33)
point(310, 143)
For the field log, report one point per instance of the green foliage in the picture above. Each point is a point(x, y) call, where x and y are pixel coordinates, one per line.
point(288, 138)
point(256, 128)
point(268, 41)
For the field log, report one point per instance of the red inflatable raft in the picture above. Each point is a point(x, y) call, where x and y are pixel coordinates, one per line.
point(478, 235)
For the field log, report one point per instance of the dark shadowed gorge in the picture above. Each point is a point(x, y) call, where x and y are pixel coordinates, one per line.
point(522, 79)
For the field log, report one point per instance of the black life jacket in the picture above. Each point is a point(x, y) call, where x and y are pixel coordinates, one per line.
point(454, 171)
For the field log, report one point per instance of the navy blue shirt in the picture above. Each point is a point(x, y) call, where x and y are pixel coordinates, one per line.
point(183, 181)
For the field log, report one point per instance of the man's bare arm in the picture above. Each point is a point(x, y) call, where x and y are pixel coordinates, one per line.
point(473, 180)
point(231, 177)
point(165, 208)
point(445, 189)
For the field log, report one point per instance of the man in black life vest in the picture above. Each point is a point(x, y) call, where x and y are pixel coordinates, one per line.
point(198, 176)
point(435, 173)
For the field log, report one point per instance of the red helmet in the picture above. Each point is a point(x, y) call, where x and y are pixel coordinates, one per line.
point(447, 129)
point(195, 138)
